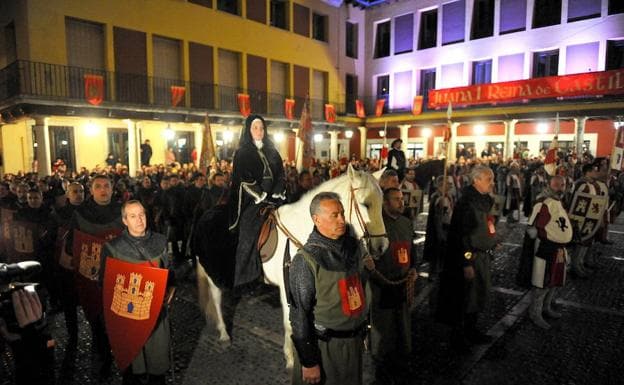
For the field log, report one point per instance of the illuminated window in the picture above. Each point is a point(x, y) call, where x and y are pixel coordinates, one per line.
point(351, 40)
point(545, 63)
point(615, 54)
point(616, 6)
point(482, 72)
point(382, 40)
point(428, 36)
point(583, 9)
point(546, 13)
point(483, 19)
point(512, 16)
point(427, 82)
point(403, 33)
point(453, 22)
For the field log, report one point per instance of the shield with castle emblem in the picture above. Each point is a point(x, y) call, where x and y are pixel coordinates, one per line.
point(586, 214)
point(6, 217)
point(22, 245)
point(86, 260)
point(133, 296)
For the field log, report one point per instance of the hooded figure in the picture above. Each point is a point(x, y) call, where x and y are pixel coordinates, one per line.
point(257, 179)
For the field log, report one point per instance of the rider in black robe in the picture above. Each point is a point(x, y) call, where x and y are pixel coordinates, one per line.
point(257, 181)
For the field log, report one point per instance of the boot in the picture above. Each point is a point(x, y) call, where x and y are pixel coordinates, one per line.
point(535, 310)
point(577, 262)
point(548, 310)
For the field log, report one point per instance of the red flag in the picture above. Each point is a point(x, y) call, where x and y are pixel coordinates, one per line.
point(447, 130)
point(550, 162)
point(133, 295)
point(379, 106)
point(94, 89)
point(207, 151)
point(86, 253)
point(359, 109)
point(384, 152)
point(330, 113)
point(417, 105)
point(177, 94)
point(244, 104)
point(289, 108)
point(306, 135)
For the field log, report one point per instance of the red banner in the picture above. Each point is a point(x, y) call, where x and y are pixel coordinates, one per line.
point(133, 296)
point(289, 108)
point(330, 113)
point(86, 250)
point(177, 94)
point(244, 104)
point(359, 109)
point(379, 106)
point(94, 89)
point(306, 134)
point(587, 84)
point(417, 105)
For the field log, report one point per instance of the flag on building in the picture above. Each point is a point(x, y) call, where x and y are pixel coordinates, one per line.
point(379, 107)
point(289, 108)
point(330, 113)
point(177, 94)
point(447, 130)
point(208, 152)
point(360, 112)
point(244, 104)
point(417, 105)
point(306, 135)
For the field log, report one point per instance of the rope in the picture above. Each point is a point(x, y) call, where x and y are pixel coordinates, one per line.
point(278, 222)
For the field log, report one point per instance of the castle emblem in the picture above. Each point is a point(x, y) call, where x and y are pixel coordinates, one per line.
point(130, 302)
point(23, 240)
point(90, 260)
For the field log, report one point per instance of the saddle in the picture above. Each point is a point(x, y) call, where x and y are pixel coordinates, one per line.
point(267, 239)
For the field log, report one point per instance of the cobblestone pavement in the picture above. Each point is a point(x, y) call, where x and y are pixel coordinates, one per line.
point(583, 347)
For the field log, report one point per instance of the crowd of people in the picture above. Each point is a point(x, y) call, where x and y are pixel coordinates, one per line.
point(161, 206)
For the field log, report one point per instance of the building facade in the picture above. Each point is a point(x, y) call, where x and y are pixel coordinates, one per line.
point(82, 79)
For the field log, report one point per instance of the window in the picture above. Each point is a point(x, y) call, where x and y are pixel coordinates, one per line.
point(203, 3)
point(118, 144)
point(10, 45)
point(383, 89)
point(403, 33)
point(616, 6)
point(382, 40)
point(351, 90)
point(279, 13)
point(582, 58)
point(546, 12)
point(482, 72)
point(85, 44)
point(583, 9)
point(229, 6)
point(512, 16)
point(352, 40)
point(302, 15)
point(615, 54)
point(483, 19)
point(427, 82)
point(428, 35)
point(453, 22)
point(545, 63)
point(319, 27)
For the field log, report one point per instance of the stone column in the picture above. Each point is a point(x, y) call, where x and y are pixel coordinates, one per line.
point(510, 128)
point(134, 152)
point(42, 138)
point(333, 145)
point(404, 134)
point(363, 130)
point(452, 150)
point(579, 130)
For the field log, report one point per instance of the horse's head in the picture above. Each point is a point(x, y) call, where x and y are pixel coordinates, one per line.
point(365, 201)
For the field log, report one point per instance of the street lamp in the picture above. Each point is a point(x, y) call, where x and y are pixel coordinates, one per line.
point(318, 138)
point(228, 136)
point(348, 134)
point(479, 129)
point(542, 128)
point(425, 132)
point(382, 133)
point(278, 137)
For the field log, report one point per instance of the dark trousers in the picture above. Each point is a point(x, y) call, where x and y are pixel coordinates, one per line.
point(69, 302)
point(130, 378)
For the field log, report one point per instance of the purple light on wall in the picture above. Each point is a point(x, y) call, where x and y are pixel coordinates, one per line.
point(402, 96)
point(583, 8)
point(582, 58)
point(453, 21)
point(452, 75)
point(512, 15)
point(510, 67)
point(403, 33)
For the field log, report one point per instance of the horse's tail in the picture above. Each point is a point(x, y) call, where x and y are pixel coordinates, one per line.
point(203, 291)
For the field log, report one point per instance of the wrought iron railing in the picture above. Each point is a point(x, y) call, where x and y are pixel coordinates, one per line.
point(59, 82)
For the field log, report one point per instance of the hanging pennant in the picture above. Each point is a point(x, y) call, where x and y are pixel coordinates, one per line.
point(289, 108)
point(330, 113)
point(417, 105)
point(244, 105)
point(94, 89)
point(379, 106)
point(177, 94)
point(359, 109)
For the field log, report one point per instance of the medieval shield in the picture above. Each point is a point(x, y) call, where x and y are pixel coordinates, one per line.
point(411, 198)
point(133, 295)
point(586, 213)
point(86, 250)
point(23, 237)
point(6, 217)
point(60, 256)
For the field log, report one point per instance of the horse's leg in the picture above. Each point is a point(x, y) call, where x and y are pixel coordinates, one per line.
point(207, 290)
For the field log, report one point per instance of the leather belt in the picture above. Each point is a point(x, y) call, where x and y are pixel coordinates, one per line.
point(325, 334)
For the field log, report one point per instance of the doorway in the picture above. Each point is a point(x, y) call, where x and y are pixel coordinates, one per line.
point(62, 145)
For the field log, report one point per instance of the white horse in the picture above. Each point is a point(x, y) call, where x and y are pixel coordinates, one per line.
point(362, 201)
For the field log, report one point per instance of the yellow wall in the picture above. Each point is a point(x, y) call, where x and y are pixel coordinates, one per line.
point(17, 146)
point(187, 22)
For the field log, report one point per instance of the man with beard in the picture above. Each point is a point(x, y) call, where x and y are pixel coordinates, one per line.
point(550, 226)
point(391, 334)
point(97, 215)
point(328, 308)
point(137, 244)
point(465, 282)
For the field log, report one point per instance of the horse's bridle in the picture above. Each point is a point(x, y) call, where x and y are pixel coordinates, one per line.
point(353, 206)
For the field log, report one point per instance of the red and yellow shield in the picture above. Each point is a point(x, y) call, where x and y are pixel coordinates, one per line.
point(86, 261)
point(133, 296)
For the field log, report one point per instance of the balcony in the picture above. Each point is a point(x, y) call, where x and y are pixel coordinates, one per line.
point(47, 82)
